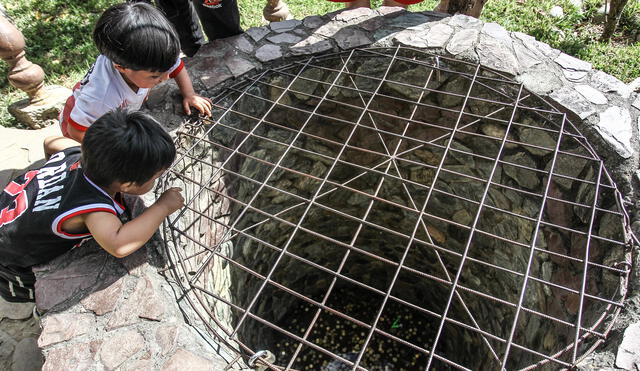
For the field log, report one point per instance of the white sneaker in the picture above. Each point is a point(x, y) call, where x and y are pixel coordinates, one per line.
point(36, 314)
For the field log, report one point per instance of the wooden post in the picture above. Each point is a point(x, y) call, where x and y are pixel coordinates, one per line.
point(44, 103)
point(613, 18)
point(23, 74)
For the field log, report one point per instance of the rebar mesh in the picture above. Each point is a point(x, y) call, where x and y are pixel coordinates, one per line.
point(389, 209)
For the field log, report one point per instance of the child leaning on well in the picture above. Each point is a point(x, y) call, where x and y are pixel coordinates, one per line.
point(139, 48)
point(47, 212)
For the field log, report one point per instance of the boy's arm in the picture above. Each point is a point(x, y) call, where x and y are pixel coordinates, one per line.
point(75, 133)
point(57, 144)
point(120, 239)
point(189, 96)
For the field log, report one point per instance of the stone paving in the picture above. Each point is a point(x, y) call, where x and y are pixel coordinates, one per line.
point(104, 313)
point(19, 333)
point(20, 149)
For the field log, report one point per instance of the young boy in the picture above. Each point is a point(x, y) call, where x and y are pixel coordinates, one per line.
point(139, 49)
point(49, 211)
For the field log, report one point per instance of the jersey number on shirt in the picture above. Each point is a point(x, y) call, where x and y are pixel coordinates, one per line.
point(8, 214)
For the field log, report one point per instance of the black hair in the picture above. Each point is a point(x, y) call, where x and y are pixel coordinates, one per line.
point(137, 36)
point(125, 146)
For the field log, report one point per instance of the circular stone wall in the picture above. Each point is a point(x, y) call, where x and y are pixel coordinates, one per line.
point(392, 209)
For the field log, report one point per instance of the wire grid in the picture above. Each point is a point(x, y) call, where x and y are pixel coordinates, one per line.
point(292, 146)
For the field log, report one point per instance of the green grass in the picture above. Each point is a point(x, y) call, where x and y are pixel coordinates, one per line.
point(577, 33)
point(58, 38)
point(58, 33)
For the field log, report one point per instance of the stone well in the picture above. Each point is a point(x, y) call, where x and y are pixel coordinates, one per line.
point(379, 189)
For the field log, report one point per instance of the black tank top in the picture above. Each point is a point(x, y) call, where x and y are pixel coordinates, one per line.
point(34, 206)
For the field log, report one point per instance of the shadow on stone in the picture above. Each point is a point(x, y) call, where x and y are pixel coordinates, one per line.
point(88, 269)
point(7, 175)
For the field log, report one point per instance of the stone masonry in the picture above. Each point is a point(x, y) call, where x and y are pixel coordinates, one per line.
point(605, 110)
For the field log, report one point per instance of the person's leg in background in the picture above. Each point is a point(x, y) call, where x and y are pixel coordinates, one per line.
point(219, 18)
point(352, 4)
point(396, 3)
point(358, 4)
point(183, 17)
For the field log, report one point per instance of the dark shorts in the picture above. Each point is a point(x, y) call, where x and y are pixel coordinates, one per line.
point(219, 19)
point(17, 285)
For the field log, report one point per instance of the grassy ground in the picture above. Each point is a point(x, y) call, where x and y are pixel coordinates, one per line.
point(58, 33)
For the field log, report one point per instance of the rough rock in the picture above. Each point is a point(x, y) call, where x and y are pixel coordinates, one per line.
point(284, 38)
point(592, 95)
point(628, 356)
point(69, 357)
point(104, 301)
point(615, 127)
point(27, 356)
point(574, 101)
point(59, 327)
point(183, 359)
point(120, 347)
point(268, 53)
point(15, 310)
point(462, 41)
point(608, 83)
point(438, 35)
point(284, 26)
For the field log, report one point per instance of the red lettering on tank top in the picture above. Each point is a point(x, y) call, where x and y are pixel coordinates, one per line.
point(8, 214)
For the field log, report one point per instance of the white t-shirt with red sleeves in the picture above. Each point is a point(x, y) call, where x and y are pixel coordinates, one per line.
point(103, 89)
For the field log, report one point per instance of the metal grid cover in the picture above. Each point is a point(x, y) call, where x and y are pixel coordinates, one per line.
point(287, 146)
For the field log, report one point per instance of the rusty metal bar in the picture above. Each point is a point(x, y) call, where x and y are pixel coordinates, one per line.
point(585, 267)
point(475, 222)
point(426, 243)
point(533, 243)
point(299, 222)
point(388, 158)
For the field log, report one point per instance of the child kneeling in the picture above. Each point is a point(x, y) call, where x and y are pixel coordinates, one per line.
point(47, 212)
point(138, 50)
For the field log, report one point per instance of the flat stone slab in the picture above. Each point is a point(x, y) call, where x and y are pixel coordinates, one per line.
point(27, 356)
point(15, 310)
point(22, 148)
point(628, 356)
point(615, 127)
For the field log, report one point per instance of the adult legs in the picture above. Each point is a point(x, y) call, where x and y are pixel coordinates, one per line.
point(393, 3)
point(367, 4)
point(358, 4)
point(183, 17)
point(219, 18)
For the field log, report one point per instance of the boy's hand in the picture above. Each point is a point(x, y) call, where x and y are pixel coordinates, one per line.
point(202, 104)
point(171, 199)
point(120, 239)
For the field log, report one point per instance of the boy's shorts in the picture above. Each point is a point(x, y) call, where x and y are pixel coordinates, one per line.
point(405, 2)
point(17, 285)
point(66, 112)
